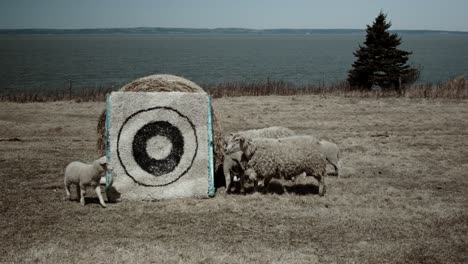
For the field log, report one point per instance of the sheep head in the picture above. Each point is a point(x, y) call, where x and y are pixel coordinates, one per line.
point(231, 144)
point(102, 164)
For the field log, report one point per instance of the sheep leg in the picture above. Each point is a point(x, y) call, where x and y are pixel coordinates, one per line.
point(234, 182)
point(322, 188)
point(266, 182)
point(99, 194)
point(334, 164)
point(229, 187)
point(337, 165)
point(67, 191)
point(82, 190)
point(337, 171)
point(227, 174)
point(241, 185)
point(252, 176)
point(229, 180)
point(78, 192)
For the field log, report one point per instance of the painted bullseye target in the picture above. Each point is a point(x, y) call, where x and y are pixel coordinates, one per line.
point(157, 146)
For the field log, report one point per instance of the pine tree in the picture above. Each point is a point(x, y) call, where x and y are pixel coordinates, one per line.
point(379, 62)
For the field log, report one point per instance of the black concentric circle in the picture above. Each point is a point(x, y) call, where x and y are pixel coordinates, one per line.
point(161, 128)
point(158, 167)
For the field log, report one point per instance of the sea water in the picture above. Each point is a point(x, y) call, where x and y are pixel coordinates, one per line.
point(38, 62)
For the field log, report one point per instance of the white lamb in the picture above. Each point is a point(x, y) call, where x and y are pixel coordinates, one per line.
point(84, 175)
point(283, 158)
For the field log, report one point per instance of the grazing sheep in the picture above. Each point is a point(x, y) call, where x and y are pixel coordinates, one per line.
point(84, 175)
point(329, 150)
point(232, 142)
point(331, 153)
point(283, 158)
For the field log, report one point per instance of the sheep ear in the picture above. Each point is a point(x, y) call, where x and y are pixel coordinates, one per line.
point(242, 142)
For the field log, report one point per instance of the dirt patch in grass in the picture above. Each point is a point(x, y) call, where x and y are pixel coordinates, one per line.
point(402, 197)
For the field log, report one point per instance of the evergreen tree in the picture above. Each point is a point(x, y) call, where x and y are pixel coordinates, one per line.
point(379, 62)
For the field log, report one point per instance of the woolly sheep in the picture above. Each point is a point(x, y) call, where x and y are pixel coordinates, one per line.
point(283, 158)
point(329, 150)
point(231, 143)
point(232, 159)
point(83, 175)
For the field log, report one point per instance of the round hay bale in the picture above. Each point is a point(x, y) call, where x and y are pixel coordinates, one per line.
point(162, 83)
point(169, 83)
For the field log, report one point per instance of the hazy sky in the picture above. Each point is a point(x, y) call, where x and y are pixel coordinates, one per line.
point(259, 14)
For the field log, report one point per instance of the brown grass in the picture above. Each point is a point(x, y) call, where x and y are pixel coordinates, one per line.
point(402, 198)
point(456, 88)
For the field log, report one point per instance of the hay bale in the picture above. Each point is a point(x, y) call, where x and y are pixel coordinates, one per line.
point(169, 83)
point(162, 83)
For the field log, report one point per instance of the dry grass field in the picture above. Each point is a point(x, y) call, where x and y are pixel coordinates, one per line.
point(402, 198)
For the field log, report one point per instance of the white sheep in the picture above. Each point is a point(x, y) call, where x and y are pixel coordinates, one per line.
point(232, 145)
point(232, 159)
point(283, 158)
point(329, 150)
point(83, 175)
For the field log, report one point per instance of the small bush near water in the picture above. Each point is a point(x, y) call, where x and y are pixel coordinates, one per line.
point(456, 88)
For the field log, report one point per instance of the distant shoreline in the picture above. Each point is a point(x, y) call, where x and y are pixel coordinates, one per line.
point(456, 88)
point(207, 31)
